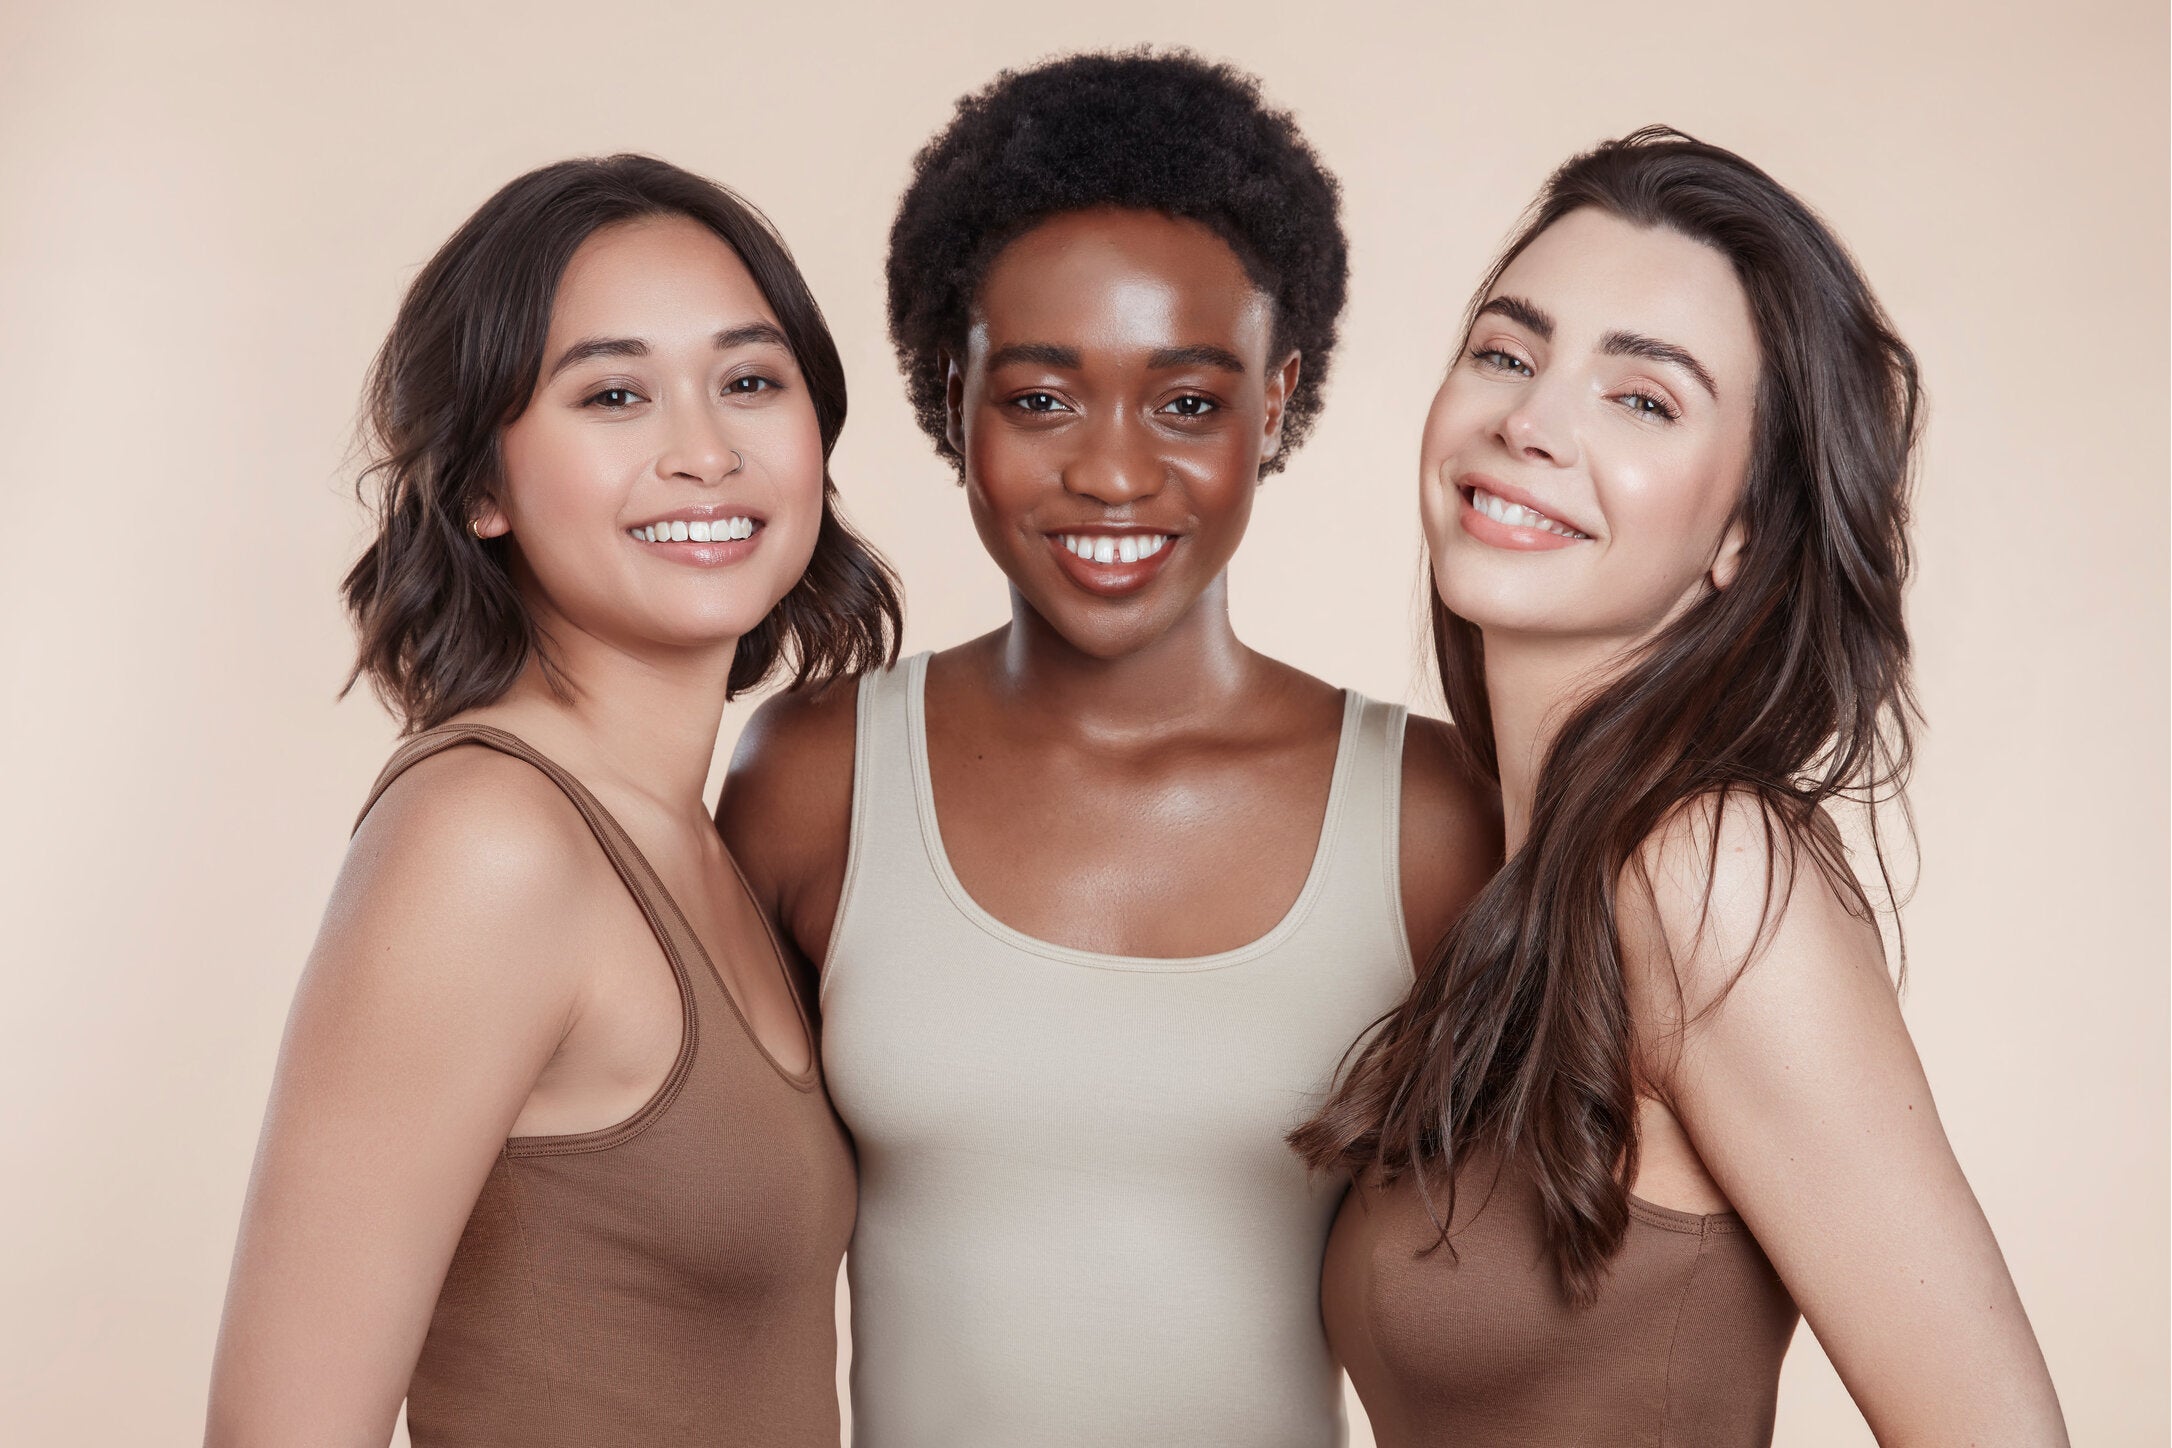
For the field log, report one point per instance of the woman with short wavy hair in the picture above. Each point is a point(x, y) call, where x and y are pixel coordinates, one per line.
point(549, 1154)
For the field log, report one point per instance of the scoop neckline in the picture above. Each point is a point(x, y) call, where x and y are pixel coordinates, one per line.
point(931, 835)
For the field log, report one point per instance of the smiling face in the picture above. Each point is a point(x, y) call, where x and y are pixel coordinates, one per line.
point(1585, 457)
point(1113, 405)
point(664, 484)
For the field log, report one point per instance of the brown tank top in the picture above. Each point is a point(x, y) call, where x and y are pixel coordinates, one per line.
point(1682, 1348)
point(668, 1280)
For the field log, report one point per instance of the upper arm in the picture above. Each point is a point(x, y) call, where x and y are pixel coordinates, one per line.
point(1449, 836)
point(786, 808)
point(1797, 1083)
point(432, 1000)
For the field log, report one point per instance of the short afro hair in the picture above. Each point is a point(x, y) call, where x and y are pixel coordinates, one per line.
point(1166, 132)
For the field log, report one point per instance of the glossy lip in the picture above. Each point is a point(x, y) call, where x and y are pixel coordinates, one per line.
point(1111, 580)
point(1502, 535)
point(701, 555)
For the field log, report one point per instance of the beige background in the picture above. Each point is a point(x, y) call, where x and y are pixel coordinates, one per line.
point(207, 214)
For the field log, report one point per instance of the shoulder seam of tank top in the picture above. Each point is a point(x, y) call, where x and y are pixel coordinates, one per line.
point(1674, 1338)
point(602, 826)
point(1391, 813)
point(1346, 752)
point(866, 705)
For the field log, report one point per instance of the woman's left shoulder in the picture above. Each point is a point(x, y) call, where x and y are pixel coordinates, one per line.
point(1728, 883)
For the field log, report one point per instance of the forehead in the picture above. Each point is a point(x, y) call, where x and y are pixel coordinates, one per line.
point(1595, 273)
point(1110, 275)
point(654, 277)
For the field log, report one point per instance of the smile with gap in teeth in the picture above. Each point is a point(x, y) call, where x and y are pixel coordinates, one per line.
point(717, 530)
point(1516, 515)
point(1113, 548)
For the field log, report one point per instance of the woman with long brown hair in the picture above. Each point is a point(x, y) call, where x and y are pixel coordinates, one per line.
point(549, 1154)
point(1653, 1091)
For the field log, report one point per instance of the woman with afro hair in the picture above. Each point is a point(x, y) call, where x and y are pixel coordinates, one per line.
point(1099, 899)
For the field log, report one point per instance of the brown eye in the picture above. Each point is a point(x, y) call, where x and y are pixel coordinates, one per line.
point(1191, 405)
point(614, 399)
point(1497, 360)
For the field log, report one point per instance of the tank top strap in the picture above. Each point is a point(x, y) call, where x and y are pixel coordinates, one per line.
point(1363, 871)
point(888, 864)
point(681, 946)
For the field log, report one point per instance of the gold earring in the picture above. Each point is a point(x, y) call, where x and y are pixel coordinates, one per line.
point(475, 526)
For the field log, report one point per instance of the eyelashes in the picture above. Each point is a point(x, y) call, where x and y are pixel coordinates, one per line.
point(1638, 401)
point(619, 397)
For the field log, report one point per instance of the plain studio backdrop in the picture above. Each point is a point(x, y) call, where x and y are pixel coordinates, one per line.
point(207, 216)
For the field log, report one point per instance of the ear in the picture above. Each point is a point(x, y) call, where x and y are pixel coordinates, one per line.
point(487, 520)
point(953, 400)
point(1728, 561)
point(1280, 384)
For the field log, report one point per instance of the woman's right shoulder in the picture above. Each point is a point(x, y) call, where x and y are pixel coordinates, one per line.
point(478, 826)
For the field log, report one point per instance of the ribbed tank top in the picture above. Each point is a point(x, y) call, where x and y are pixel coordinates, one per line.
point(1681, 1350)
point(1079, 1224)
point(668, 1280)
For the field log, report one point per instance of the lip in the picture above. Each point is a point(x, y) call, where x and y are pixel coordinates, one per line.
point(689, 554)
point(1514, 538)
point(1110, 580)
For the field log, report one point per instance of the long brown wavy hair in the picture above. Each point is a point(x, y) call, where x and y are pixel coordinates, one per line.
point(1788, 689)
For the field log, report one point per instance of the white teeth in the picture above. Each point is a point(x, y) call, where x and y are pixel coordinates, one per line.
point(1117, 548)
point(1515, 515)
point(720, 530)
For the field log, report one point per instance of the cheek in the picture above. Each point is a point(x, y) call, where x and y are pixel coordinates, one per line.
point(561, 482)
point(1667, 512)
point(1450, 427)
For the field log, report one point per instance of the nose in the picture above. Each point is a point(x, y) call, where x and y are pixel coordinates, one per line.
point(696, 447)
point(1537, 426)
point(1118, 465)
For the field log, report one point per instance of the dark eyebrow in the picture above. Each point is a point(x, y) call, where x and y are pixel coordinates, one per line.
point(1635, 344)
point(750, 335)
point(1201, 354)
point(1521, 312)
point(1046, 354)
point(589, 347)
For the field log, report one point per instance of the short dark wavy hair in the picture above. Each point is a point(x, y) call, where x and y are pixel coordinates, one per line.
point(1166, 132)
point(441, 626)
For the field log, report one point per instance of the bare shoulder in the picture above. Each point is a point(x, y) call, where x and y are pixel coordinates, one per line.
point(1450, 833)
point(460, 888)
point(479, 828)
point(791, 770)
point(1723, 890)
point(786, 808)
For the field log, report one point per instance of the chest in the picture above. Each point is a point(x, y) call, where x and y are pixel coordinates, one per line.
point(1188, 852)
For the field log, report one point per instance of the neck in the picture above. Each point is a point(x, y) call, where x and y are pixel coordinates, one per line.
point(1533, 683)
point(645, 719)
point(1194, 669)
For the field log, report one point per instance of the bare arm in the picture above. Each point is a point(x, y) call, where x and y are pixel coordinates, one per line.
point(1804, 1098)
point(435, 995)
point(786, 809)
point(1450, 834)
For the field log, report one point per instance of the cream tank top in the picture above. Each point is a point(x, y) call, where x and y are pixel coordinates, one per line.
point(1079, 1224)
